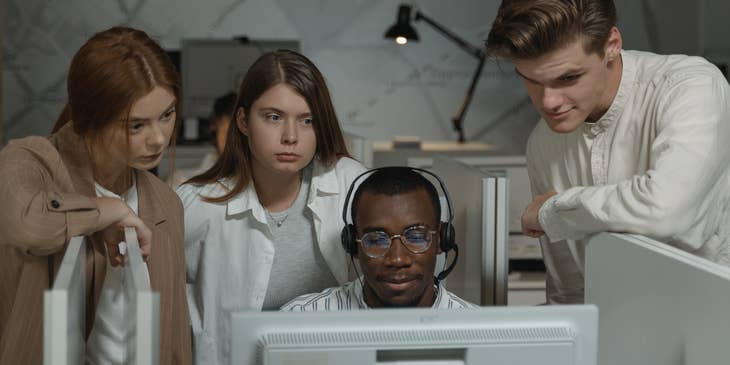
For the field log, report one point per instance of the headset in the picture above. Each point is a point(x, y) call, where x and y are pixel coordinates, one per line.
point(447, 235)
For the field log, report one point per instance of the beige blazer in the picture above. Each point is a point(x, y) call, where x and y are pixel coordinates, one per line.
point(45, 190)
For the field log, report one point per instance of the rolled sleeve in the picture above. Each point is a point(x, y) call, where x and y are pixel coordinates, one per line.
point(36, 217)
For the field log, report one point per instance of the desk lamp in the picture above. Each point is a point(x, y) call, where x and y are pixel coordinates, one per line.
point(402, 32)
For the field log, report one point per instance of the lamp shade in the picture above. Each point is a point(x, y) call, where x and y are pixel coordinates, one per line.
point(402, 27)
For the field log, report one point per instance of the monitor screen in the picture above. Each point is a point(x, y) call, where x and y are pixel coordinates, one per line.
point(543, 335)
point(214, 67)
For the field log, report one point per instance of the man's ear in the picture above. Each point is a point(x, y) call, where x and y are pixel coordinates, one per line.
point(613, 44)
point(438, 239)
point(241, 121)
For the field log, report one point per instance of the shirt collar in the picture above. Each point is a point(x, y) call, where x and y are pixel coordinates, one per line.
point(129, 197)
point(628, 75)
point(324, 180)
point(357, 292)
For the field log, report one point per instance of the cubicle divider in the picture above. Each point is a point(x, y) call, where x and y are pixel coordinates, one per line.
point(481, 206)
point(64, 308)
point(144, 349)
point(657, 304)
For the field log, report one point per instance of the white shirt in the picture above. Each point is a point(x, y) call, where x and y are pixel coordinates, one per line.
point(350, 297)
point(655, 164)
point(229, 251)
point(114, 323)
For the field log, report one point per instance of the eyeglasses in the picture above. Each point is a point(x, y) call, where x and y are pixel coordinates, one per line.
point(416, 239)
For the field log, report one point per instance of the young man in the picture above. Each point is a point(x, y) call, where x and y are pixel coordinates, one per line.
point(631, 141)
point(220, 121)
point(396, 239)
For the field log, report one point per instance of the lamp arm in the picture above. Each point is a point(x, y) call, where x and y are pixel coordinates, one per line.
point(458, 119)
point(466, 46)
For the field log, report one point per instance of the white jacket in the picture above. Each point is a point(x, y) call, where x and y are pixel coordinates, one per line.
point(229, 251)
point(657, 164)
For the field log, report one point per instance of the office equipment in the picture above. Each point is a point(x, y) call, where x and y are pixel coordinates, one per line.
point(658, 304)
point(402, 31)
point(564, 335)
point(384, 153)
point(213, 67)
point(480, 209)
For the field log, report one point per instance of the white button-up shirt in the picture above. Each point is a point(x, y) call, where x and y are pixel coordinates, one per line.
point(229, 251)
point(655, 164)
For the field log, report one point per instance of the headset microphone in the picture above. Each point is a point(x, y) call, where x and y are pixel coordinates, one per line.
point(446, 233)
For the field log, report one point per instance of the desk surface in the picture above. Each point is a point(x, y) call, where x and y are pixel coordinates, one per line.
point(436, 146)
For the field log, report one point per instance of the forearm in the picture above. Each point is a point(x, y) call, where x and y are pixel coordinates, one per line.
point(40, 224)
point(631, 207)
point(111, 210)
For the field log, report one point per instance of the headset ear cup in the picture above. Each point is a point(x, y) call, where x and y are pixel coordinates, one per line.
point(348, 239)
point(447, 237)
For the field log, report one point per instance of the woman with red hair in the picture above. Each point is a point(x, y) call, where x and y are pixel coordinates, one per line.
point(90, 178)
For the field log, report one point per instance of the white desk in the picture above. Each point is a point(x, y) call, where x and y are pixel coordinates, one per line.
point(385, 154)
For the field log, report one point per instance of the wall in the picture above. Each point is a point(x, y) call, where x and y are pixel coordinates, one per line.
point(379, 89)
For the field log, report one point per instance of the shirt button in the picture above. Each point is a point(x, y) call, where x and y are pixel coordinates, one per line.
point(55, 204)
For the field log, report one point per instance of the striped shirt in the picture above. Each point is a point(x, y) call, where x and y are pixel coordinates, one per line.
point(349, 297)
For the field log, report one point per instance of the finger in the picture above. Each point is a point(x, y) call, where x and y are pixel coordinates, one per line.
point(112, 250)
point(145, 241)
point(115, 261)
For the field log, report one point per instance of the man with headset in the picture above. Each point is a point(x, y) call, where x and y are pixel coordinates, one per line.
point(396, 234)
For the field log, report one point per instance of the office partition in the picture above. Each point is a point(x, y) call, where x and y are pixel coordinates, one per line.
point(64, 337)
point(658, 305)
point(481, 206)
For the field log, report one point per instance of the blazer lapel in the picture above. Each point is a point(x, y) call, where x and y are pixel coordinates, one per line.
point(152, 213)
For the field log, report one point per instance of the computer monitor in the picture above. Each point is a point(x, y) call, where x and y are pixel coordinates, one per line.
point(546, 335)
point(480, 205)
point(213, 67)
point(658, 305)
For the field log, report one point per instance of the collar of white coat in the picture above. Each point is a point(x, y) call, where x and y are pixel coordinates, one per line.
point(324, 181)
point(628, 76)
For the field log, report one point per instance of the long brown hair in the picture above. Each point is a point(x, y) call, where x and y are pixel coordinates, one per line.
point(282, 66)
point(110, 72)
point(527, 29)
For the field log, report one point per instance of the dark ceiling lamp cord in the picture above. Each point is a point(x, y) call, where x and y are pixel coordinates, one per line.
point(402, 31)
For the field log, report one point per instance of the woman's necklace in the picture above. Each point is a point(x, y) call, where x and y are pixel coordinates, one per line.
point(282, 216)
point(279, 221)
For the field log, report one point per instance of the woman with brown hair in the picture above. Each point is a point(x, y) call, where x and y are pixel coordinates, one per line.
point(263, 225)
point(90, 178)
